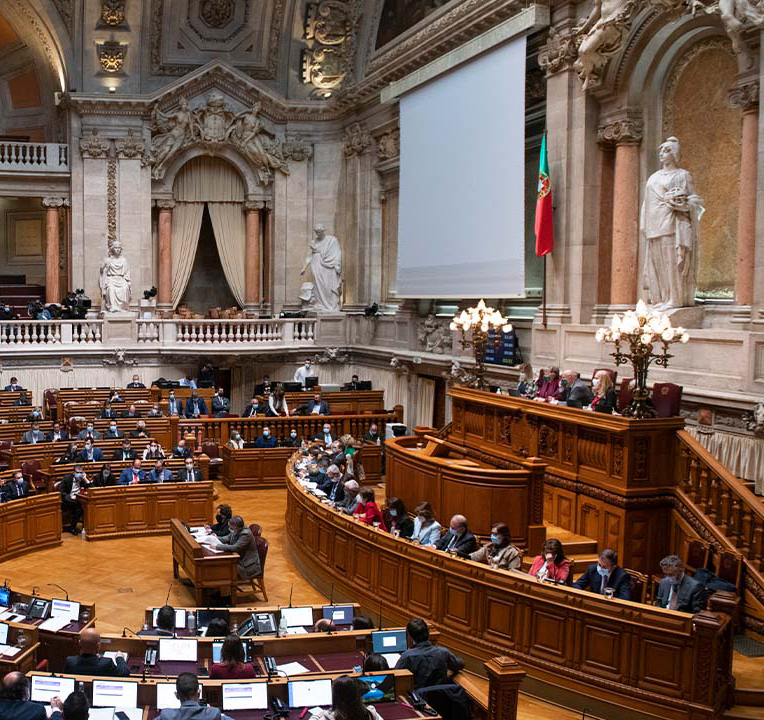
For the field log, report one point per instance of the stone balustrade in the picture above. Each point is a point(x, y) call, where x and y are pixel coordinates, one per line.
point(24, 335)
point(34, 158)
point(234, 333)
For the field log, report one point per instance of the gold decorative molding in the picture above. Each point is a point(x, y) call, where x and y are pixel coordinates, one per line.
point(111, 198)
point(111, 55)
point(113, 12)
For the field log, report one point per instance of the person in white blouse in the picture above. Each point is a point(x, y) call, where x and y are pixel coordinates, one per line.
point(304, 371)
point(426, 527)
point(236, 441)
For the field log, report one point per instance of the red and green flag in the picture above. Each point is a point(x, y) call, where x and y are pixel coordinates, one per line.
point(544, 224)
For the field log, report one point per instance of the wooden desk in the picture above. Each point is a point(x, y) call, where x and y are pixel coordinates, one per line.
point(26, 660)
point(46, 453)
point(29, 524)
point(345, 402)
point(636, 660)
point(8, 397)
point(132, 510)
point(17, 414)
point(99, 395)
point(206, 570)
point(13, 431)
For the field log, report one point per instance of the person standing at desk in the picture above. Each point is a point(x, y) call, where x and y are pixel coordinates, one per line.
point(241, 540)
point(221, 405)
point(136, 383)
point(14, 386)
point(304, 371)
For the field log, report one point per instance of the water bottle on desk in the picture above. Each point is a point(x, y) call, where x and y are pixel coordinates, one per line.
point(192, 622)
point(282, 625)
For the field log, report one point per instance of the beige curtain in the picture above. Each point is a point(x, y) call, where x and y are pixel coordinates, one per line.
point(208, 179)
point(742, 456)
point(425, 401)
point(229, 228)
point(186, 224)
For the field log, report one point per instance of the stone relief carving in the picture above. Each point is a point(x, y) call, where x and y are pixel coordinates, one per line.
point(331, 355)
point(745, 96)
point(400, 366)
point(92, 145)
point(111, 56)
point(294, 148)
point(261, 147)
point(737, 16)
point(112, 12)
point(119, 357)
point(621, 131)
point(216, 13)
point(389, 145)
point(755, 420)
point(357, 140)
point(111, 197)
point(131, 146)
point(433, 336)
point(559, 53)
point(457, 374)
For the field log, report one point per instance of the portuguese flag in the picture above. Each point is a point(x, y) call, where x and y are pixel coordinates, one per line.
point(544, 225)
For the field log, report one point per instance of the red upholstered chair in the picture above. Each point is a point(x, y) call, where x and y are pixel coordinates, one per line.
point(613, 373)
point(51, 409)
point(667, 399)
point(625, 395)
point(211, 450)
point(256, 530)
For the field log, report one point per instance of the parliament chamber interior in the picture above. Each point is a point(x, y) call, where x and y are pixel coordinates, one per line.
point(282, 438)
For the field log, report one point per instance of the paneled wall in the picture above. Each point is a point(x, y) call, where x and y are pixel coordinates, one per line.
point(22, 238)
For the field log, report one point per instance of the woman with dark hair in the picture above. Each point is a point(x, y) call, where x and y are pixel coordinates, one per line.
point(222, 516)
point(426, 527)
point(105, 477)
point(69, 456)
point(374, 662)
point(500, 553)
point(397, 519)
point(552, 565)
point(218, 627)
point(277, 404)
point(232, 665)
point(347, 703)
point(367, 510)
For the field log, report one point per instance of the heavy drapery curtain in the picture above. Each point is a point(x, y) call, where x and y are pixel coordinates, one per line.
point(186, 224)
point(742, 456)
point(208, 179)
point(425, 401)
point(229, 228)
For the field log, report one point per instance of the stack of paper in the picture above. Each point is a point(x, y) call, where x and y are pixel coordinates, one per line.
point(292, 668)
point(9, 650)
point(54, 624)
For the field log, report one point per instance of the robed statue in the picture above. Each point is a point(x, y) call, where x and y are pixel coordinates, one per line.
point(115, 281)
point(325, 262)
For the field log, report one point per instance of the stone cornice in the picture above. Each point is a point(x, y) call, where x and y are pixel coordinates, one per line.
point(745, 95)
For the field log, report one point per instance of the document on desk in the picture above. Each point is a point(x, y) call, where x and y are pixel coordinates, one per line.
point(9, 650)
point(296, 631)
point(100, 713)
point(292, 668)
point(54, 624)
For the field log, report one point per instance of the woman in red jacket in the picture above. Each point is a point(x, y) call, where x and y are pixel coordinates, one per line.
point(552, 565)
point(232, 665)
point(368, 510)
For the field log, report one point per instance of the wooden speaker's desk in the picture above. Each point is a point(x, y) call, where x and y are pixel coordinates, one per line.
point(133, 510)
point(346, 402)
point(207, 570)
point(29, 524)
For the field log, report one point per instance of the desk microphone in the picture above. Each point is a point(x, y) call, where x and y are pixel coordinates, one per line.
point(380, 614)
point(130, 631)
point(331, 596)
point(167, 599)
point(59, 587)
point(290, 595)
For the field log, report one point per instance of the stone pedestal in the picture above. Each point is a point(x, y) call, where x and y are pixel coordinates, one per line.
point(148, 308)
point(686, 317)
point(118, 329)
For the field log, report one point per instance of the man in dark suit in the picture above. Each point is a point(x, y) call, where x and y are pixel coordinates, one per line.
point(240, 540)
point(678, 591)
point(195, 406)
point(14, 699)
point(14, 386)
point(605, 573)
point(131, 412)
point(70, 488)
point(327, 436)
point(133, 475)
point(15, 488)
point(221, 405)
point(574, 392)
point(159, 473)
point(353, 384)
point(57, 434)
point(136, 383)
point(113, 433)
point(89, 662)
point(265, 440)
point(126, 452)
point(90, 453)
point(180, 450)
point(187, 691)
point(140, 430)
point(254, 408)
point(89, 432)
point(264, 388)
point(35, 435)
point(317, 406)
point(373, 435)
point(174, 406)
point(458, 538)
point(189, 473)
point(333, 484)
point(108, 412)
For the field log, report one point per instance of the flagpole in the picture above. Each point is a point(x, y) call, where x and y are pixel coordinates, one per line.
point(543, 297)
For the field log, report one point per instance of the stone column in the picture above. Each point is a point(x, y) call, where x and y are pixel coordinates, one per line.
point(626, 134)
point(164, 284)
point(52, 249)
point(252, 256)
point(267, 246)
point(746, 97)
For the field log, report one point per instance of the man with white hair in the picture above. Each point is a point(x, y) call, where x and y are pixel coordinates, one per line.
point(458, 538)
point(332, 485)
point(574, 392)
point(349, 504)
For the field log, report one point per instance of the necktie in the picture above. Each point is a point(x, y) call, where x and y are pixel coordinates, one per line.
point(674, 600)
point(604, 583)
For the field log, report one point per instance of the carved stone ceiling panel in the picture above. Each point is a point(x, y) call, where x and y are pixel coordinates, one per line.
point(186, 34)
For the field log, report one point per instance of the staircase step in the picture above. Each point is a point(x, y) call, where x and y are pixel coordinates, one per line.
point(749, 696)
point(744, 712)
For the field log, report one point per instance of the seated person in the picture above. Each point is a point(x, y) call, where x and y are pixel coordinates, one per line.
point(324, 625)
point(113, 433)
point(373, 435)
point(22, 399)
point(133, 475)
point(90, 453)
point(363, 622)
point(155, 412)
point(369, 510)
point(105, 477)
point(14, 386)
point(159, 473)
point(241, 540)
point(174, 406)
point(346, 703)
point(374, 662)
point(354, 383)
point(526, 385)
point(548, 384)
point(677, 590)
point(500, 553)
point(187, 381)
point(428, 663)
point(350, 503)
point(70, 487)
point(604, 392)
point(195, 405)
point(73, 707)
point(223, 514)
point(263, 388)
point(426, 527)
point(317, 406)
point(15, 488)
point(221, 405)
point(165, 623)
point(136, 383)
point(217, 628)
point(14, 699)
point(574, 392)
point(180, 450)
point(33, 435)
point(265, 440)
point(69, 455)
point(114, 396)
point(236, 441)
point(332, 484)
point(293, 440)
point(89, 432)
point(90, 662)
point(552, 565)
point(108, 411)
point(153, 451)
point(187, 691)
point(131, 412)
point(126, 452)
point(605, 573)
point(254, 408)
point(397, 519)
point(57, 434)
point(140, 430)
point(35, 415)
point(189, 472)
point(458, 537)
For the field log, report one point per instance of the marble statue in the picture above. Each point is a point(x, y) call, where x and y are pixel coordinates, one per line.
point(737, 16)
point(169, 134)
point(669, 222)
point(433, 336)
point(325, 262)
point(115, 281)
point(251, 138)
point(307, 299)
point(756, 419)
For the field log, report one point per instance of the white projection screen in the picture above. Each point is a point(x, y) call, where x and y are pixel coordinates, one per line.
point(462, 175)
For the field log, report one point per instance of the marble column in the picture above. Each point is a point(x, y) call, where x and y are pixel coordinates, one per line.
point(626, 134)
point(252, 255)
point(746, 97)
point(164, 285)
point(52, 249)
point(267, 254)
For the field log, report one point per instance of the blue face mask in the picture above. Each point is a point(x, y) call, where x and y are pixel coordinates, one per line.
point(603, 571)
point(322, 470)
point(451, 531)
point(495, 539)
point(393, 513)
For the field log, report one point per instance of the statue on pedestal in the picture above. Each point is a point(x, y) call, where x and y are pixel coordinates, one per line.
point(669, 222)
point(325, 262)
point(115, 281)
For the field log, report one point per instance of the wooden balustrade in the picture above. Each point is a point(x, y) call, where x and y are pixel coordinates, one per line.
point(29, 524)
point(97, 395)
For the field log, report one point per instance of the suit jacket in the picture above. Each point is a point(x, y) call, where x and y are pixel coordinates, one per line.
point(691, 595)
point(184, 453)
point(464, 543)
point(196, 477)
point(139, 433)
point(220, 405)
point(95, 665)
point(250, 411)
point(244, 544)
point(21, 709)
point(578, 394)
point(618, 580)
point(126, 478)
point(175, 407)
point(154, 477)
point(64, 436)
point(33, 436)
point(322, 438)
point(101, 481)
point(83, 434)
point(323, 407)
point(109, 435)
point(82, 455)
point(266, 442)
point(9, 388)
point(337, 488)
point(119, 454)
point(136, 385)
point(11, 491)
point(190, 710)
point(606, 403)
point(127, 414)
point(67, 483)
point(34, 417)
point(108, 414)
point(190, 407)
point(368, 437)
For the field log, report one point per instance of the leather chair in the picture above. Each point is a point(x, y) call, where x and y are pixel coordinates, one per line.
point(450, 701)
point(613, 373)
point(211, 450)
point(256, 530)
point(730, 568)
point(639, 586)
point(698, 552)
point(667, 398)
point(30, 469)
point(51, 409)
point(625, 395)
point(257, 584)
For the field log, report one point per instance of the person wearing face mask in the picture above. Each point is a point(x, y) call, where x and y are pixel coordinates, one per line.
point(108, 411)
point(223, 514)
point(90, 453)
point(71, 486)
point(35, 415)
point(174, 406)
point(195, 405)
point(14, 488)
point(277, 404)
point(327, 437)
point(136, 383)
point(189, 473)
point(548, 384)
point(368, 510)
point(140, 430)
point(304, 371)
point(126, 452)
point(426, 527)
point(606, 573)
point(155, 412)
point(236, 441)
point(265, 440)
point(159, 474)
point(253, 409)
point(397, 518)
point(293, 440)
point(134, 475)
point(677, 590)
point(604, 392)
point(34, 435)
point(105, 477)
point(574, 392)
point(113, 432)
point(69, 456)
point(241, 540)
point(373, 435)
point(317, 406)
point(332, 484)
point(458, 538)
point(89, 432)
point(180, 450)
point(221, 405)
point(153, 451)
point(552, 565)
point(500, 553)
point(349, 504)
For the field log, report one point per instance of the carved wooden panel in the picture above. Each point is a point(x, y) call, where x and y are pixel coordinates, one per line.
point(602, 650)
point(458, 603)
point(362, 563)
point(340, 552)
point(324, 542)
point(389, 577)
point(499, 616)
point(592, 450)
point(660, 665)
point(420, 590)
point(548, 631)
point(30, 524)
